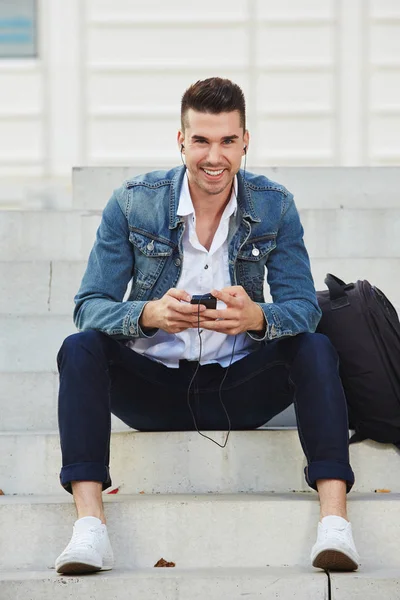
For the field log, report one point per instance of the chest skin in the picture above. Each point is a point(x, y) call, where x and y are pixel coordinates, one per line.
point(206, 229)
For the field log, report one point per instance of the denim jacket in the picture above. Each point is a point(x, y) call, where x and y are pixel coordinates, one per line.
point(140, 239)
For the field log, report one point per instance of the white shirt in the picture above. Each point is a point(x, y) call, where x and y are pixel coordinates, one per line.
point(202, 271)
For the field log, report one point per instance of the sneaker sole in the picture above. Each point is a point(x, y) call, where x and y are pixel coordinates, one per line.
point(334, 560)
point(72, 568)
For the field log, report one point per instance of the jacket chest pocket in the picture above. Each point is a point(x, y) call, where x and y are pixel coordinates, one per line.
point(150, 257)
point(251, 262)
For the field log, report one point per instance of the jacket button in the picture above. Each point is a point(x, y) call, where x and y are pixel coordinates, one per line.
point(177, 262)
point(131, 329)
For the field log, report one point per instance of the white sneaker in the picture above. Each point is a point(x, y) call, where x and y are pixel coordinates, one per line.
point(334, 549)
point(89, 549)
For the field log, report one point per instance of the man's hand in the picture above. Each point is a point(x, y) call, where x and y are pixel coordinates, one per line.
point(172, 313)
point(241, 313)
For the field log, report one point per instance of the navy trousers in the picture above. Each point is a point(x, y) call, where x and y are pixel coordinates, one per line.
point(100, 375)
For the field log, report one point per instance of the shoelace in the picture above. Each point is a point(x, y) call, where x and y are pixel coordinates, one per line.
point(84, 539)
point(339, 534)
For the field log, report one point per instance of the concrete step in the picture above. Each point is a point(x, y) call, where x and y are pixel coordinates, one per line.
point(39, 287)
point(313, 187)
point(30, 193)
point(169, 584)
point(366, 585)
point(47, 235)
point(351, 233)
point(286, 583)
point(28, 402)
point(246, 530)
point(184, 462)
point(50, 286)
point(31, 343)
point(69, 235)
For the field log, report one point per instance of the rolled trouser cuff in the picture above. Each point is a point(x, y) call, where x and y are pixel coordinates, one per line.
point(328, 469)
point(85, 471)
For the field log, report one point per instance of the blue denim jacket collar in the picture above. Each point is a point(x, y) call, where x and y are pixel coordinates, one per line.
point(245, 203)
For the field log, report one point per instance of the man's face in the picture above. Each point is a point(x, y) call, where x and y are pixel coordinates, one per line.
point(213, 149)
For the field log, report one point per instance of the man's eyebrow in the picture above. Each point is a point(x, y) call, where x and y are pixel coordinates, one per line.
point(226, 137)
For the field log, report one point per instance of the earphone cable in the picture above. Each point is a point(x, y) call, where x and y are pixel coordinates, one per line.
point(219, 391)
point(201, 348)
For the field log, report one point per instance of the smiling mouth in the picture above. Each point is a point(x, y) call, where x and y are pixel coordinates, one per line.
point(213, 172)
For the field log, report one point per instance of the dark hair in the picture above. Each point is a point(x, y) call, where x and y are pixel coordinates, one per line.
point(214, 95)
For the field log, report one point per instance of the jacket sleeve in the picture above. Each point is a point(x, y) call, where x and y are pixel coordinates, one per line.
point(99, 302)
point(295, 307)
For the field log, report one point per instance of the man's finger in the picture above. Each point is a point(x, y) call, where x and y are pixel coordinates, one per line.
point(180, 315)
point(178, 294)
point(217, 313)
point(222, 326)
point(226, 296)
point(185, 308)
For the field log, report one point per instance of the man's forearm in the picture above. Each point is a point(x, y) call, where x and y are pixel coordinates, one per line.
point(117, 319)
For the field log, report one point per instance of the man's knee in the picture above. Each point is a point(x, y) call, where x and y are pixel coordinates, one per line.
point(89, 339)
point(317, 348)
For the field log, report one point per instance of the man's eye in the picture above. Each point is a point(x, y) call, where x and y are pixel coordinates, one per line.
point(228, 142)
point(201, 142)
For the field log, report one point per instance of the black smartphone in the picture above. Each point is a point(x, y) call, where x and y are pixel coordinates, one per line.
point(208, 300)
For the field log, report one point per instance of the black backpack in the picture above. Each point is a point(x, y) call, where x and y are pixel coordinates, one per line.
point(364, 328)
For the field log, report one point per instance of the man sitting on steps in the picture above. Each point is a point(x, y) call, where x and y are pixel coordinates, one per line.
point(161, 363)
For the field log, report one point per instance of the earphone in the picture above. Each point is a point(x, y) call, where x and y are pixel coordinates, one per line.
point(182, 148)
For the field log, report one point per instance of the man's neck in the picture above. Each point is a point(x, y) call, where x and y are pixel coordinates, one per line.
point(208, 210)
point(208, 206)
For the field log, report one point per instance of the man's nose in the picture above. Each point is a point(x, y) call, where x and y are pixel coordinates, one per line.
point(214, 154)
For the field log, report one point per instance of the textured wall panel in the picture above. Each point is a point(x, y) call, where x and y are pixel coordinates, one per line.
point(295, 90)
point(385, 42)
point(207, 9)
point(20, 139)
point(131, 138)
point(142, 90)
point(385, 133)
point(385, 7)
point(294, 44)
point(295, 135)
point(385, 89)
point(20, 92)
point(152, 46)
point(294, 8)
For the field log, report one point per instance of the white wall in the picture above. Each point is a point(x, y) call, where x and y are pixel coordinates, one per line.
point(322, 80)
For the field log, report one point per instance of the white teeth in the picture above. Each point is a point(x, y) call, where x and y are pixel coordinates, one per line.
point(215, 173)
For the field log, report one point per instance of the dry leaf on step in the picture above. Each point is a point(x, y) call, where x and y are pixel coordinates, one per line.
point(164, 563)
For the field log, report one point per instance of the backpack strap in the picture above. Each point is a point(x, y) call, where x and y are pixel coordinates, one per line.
point(357, 437)
point(337, 291)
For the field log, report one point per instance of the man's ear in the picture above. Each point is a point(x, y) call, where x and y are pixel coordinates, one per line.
point(181, 141)
point(246, 140)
